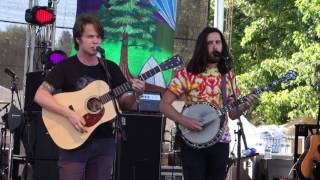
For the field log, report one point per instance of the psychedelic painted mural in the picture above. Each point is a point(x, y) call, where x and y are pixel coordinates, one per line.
point(139, 34)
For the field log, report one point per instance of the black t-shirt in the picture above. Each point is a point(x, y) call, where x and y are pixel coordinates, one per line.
point(71, 75)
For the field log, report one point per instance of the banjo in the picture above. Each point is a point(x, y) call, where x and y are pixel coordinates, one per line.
point(213, 118)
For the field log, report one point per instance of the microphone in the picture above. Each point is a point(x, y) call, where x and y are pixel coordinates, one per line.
point(10, 73)
point(226, 58)
point(221, 56)
point(100, 50)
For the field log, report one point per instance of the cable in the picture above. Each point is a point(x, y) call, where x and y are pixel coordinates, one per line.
point(23, 23)
point(14, 22)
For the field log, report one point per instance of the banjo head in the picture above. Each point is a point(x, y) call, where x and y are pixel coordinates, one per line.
point(209, 118)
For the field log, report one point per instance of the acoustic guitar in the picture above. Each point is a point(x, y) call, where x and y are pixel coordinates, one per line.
point(94, 104)
point(309, 158)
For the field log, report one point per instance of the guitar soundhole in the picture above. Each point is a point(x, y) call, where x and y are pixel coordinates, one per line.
point(94, 105)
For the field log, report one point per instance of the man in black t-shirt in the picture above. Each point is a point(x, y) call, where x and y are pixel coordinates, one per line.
point(92, 160)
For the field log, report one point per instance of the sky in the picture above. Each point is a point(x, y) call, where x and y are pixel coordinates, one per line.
point(14, 11)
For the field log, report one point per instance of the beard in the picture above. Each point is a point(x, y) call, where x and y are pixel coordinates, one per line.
point(214, 57)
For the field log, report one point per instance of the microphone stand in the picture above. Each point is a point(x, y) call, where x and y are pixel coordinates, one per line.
point(119, 133)
point(240, 134)
point(13, 138)
point(3, 132)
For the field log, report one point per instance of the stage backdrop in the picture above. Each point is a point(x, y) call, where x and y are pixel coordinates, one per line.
point(138, 33)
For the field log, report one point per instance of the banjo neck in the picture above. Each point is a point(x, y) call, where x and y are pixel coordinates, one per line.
point(291, 75)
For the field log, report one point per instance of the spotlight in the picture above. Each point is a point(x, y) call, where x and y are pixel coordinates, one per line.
point(40, 15)
point(57, 56)
point(54, 57)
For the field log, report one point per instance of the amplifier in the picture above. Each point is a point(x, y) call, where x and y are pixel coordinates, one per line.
point(149, 102)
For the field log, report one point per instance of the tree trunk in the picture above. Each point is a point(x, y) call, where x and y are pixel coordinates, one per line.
point(124, 57)
point(124, 66)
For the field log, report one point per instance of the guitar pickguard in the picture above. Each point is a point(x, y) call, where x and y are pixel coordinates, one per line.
point(92, 119)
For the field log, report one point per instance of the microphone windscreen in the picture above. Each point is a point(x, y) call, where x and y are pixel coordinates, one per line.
point(99, 49)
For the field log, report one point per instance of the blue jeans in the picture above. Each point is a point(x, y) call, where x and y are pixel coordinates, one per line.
point(205, 164)
point(92, 161)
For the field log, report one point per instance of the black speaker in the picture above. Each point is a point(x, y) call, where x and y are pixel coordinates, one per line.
point(140, 153)
point(44, 152)
point(33, 81)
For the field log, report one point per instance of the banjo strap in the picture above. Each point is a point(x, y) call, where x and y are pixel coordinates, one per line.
point(223, 89)
point(224, 94)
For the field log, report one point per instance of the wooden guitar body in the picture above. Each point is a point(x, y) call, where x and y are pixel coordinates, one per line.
point(61, 130)
point(306, 163)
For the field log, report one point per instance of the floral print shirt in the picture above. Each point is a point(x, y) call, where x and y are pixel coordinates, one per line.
point(205, 87)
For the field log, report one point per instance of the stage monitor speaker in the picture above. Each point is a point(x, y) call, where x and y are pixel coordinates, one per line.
point(140, 153)
point(33, 81)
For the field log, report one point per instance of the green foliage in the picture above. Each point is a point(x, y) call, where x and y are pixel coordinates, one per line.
point(268, 39)
point(12, 45)
point(65, 42)
point(211, 13)
point(311, 15)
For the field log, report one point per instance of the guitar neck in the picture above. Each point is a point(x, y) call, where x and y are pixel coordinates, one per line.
point(127, 86)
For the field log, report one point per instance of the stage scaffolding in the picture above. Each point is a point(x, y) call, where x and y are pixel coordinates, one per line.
point(38, 41)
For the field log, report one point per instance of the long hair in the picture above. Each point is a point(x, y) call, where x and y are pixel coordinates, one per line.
point(199, 60)
point(79, 25)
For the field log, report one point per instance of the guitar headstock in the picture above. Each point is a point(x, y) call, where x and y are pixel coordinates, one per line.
point(291, 75)
point(171, 63)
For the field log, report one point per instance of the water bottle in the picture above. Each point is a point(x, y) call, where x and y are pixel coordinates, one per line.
point(267, 152)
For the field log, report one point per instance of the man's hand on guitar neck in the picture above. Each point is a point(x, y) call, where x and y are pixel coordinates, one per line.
point(77, 121)
point(138, 86)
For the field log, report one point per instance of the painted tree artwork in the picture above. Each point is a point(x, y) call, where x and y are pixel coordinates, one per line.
point(138, 34)
point(130, 19)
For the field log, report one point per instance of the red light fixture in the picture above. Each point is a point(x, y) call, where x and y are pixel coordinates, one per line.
point(40, 15)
